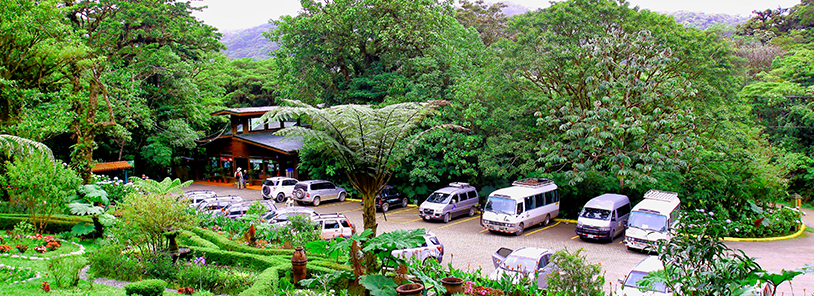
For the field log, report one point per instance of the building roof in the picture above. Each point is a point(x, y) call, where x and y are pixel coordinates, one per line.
point(248, 111)
point(269, 140)
point(110, 166)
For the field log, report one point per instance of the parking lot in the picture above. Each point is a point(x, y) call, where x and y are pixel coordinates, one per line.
point(469, 246)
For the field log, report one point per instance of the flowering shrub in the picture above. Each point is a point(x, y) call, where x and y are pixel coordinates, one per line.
point(22, 248)
point(470, 288)
point(5, 249)
point(53, 245)
point(40, 249)
point(12, 274)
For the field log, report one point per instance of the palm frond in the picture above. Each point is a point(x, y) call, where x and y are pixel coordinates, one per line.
point(14, 145)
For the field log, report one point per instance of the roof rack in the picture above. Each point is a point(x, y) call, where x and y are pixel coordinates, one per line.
point(533, 182)
point(459, 184)
point(660, 195)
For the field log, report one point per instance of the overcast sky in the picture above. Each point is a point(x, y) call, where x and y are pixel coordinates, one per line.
point(229, 15)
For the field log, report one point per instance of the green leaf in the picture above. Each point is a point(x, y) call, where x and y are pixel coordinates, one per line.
point(82, 228)
point(83, 209)
point(379, 285)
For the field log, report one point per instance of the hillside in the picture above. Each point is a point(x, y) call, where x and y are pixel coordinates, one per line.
point(248, 43)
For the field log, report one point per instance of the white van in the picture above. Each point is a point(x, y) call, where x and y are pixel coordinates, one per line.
point(457, 199)
point(603, 217)
point(528, 202)
point(652, 219)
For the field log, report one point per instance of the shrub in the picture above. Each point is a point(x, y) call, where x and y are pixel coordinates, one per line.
point(187, 238)
point(146, 217)
point(218, 279)
point(65, 270)
point(146, 288)
point(109, 262)
point(159, 266)
point(573, 276)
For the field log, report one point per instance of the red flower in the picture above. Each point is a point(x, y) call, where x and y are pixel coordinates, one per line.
point(46, 287)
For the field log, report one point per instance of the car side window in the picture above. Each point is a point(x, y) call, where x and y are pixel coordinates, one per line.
point(549, 197)
point(345, 223)
point(328, 186)
point(289, 182)
point(331, 224)
point(473, 194)
point(519, 208)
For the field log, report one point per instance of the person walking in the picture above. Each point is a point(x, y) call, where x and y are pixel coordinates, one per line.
point(239, 178)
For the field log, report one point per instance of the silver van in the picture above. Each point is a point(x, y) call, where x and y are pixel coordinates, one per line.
point(604, 217)
point(457, 199)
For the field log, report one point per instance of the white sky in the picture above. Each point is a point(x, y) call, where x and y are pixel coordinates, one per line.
point(228, 15)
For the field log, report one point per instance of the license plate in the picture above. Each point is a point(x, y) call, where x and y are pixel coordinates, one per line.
point(591, 235)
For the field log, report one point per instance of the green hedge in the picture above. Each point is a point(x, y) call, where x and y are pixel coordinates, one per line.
point(187, 238)
point(146, 288)
point(269, 279)
point(226, 244)
point(223, 257)
point(58, 223)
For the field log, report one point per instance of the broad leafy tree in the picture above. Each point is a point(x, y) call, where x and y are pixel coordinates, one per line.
point(489, 20)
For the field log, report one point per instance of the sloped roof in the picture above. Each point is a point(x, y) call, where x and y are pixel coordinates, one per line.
point(110, 166)
point(269, 140)
point(245, 111)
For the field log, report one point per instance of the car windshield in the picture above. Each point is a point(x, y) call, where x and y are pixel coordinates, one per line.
point(270, 182)
point(592, 213)
point(635, 276)
point(519, 264)
point(437, 197)
point(648, 221)
point(500, 205)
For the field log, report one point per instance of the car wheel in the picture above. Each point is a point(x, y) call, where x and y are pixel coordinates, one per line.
point(299, 193)
point(316, 201)
point(447, 216)
point(519, 229)
point(385, 207)
point(471, 211)
point(280, 197)
point(404, 202)
point(342, 197)
point(547, 219)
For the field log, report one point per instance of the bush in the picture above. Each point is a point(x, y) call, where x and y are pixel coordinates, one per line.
point(217, 279)
point(109, 262)
point(146, 288)
point(186, 238)
point(573, 276)
point(65, 270)
point(160, 266)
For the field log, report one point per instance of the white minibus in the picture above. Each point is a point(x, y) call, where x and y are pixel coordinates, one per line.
point(528, 202)
point(652, 219)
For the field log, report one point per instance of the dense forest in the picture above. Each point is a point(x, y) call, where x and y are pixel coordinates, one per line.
point(598, 95)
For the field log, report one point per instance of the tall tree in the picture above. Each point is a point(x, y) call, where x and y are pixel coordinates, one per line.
point(368, 142)
point(360, 51)
point(620, 89)
point(489, 20)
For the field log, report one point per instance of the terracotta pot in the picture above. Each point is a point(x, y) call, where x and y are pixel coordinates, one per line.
point(410, 289)
point(298, 265)
point(453, 285)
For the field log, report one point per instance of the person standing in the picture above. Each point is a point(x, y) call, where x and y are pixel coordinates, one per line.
point(239, 178)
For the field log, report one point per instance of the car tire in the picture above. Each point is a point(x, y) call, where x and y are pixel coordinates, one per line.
point(280, 197)
point(547, 220)
point(299, 193)
point(316, 201)
point(404, 202)
point(385, 207)
point(342, 197)
point(472, 212)
point(447, 216)
point(520, 229)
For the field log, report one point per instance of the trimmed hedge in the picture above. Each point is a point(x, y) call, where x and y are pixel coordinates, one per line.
point(187, 238)
point(226, 244)
point(269, 279)
point(58, 223)
point(146, 288)
point(253, 261)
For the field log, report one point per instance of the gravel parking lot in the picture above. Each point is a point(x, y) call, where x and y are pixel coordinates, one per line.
point(468, 246)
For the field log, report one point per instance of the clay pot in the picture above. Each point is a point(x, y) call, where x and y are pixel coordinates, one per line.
point(298, 265)
point(410, 289)
point(453, 285)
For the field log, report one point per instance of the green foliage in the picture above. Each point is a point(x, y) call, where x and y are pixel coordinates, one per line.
point(167, 186)
point(146, 217)
point(217, 279)
point(82, 228)
point(379, 285)
point(110, 262)
point(573, 276)
point(39, 184)
point(65, 270)
point(58, 224)
point(383, 244)
point(146, 288)
point(300, 231)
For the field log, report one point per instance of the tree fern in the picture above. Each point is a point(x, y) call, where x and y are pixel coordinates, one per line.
point(13, 145)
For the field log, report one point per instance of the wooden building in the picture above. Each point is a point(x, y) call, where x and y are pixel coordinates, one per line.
point(251, 145)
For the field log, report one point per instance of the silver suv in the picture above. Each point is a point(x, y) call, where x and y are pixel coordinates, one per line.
point(334, 225)
point(278, 188)
point(317, 191)
point(432, 249)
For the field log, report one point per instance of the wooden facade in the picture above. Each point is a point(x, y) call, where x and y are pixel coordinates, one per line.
point(252, 146)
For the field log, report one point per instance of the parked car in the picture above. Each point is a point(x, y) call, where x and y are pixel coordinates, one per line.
point(603, 217)
point(278, 188)
point(317, 191)
point(195, 197)
point(530, 263)
point(432, 249)
point(448, 202)
point(238, 209)
point(334, 225)
point(389, 197)
point(629, 282)
point(211, 205)
point(281, 215)
point(526, 203)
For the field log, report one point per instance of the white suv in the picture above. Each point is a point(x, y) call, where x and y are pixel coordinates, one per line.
point(278, 188)
point(432, 249)
point(316, 191)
